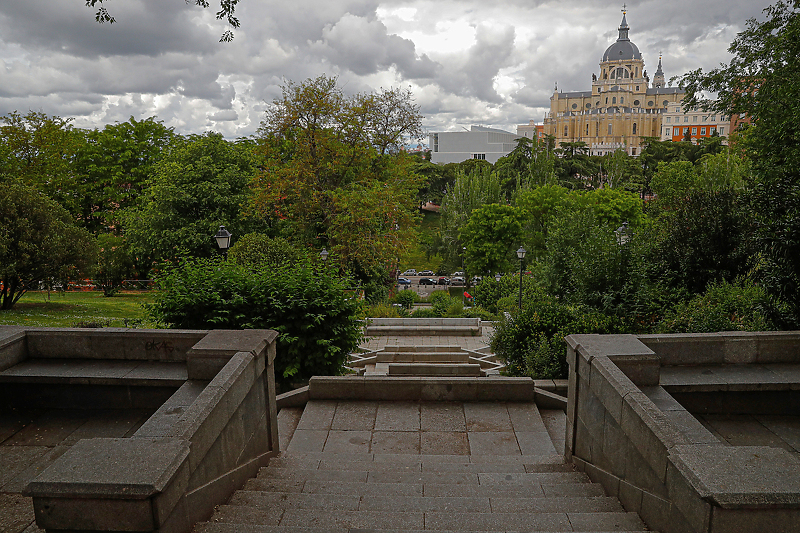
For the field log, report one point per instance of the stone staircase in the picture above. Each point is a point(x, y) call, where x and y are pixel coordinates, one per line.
point(420, 466)
point(421, 360)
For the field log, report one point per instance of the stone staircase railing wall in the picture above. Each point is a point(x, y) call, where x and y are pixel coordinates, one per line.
point(626, 431)
point(216, 430)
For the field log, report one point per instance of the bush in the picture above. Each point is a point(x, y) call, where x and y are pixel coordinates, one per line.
point(382, 310)
point(406, 298)
point(257, 249)
point(479, 312)
point(423, 313)
point(531, 342)
point(317, 323)
point(740, 306)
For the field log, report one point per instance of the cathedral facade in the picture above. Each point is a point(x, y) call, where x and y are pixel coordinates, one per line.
point(622, 106)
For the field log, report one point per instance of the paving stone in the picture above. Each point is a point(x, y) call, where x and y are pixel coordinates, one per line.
point(498, 521)
point(493, 443)
point(235, 514)
point(398, 416)
point(275, 485)
point(745, 430)
point(16, 513)
point(16, 459)
point(485, 416)
point(308, 440)
point(422, 458)
point(422, 477)
point(50, 429)
point(352, 519)
point(606, 522)
point(555, 505)
point(363, 489)
point(348, 441)
point(306, 463)
point(525, 417)
point(442, 490)
point(785, 427)
point(288, 420)
point(315, 475)
point(404, 442)
point(473, 468)
point(371, 466)
point(317, 415)
point(216, 527)
point(537, 468)
point(442, 416)
point(535, 443)
point(115, 423)
point(275, 501)
point(15, 420)
point(355, 416)
point(490, 478)
point(20, 480)
point(425, 504)
point(586, 490)
point(444, 442)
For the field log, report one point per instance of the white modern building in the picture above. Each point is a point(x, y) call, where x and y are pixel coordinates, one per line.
point(479, 142)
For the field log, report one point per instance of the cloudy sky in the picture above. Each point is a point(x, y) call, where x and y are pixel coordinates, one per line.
point(466, 61)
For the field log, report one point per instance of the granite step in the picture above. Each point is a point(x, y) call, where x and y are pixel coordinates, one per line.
point(221, 527)
point(428, 465)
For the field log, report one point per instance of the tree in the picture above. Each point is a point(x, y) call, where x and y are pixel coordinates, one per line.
point(203, 183)
point(39, 242)
point(490, 236)
point(390, 118)
point(226, 11)
point(761, 83)
point(115, 264)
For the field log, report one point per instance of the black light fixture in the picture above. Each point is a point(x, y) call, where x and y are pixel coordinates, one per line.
point(497, 277)
point(623, 233)
point(521, 254)
point(324, 254)
point(223, 238)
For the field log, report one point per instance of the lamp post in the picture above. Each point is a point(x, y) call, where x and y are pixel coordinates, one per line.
point(521, 254)
point(324, 255)
point(223, 238)
point(623, 233)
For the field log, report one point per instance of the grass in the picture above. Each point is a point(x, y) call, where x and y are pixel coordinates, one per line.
point(67, 309)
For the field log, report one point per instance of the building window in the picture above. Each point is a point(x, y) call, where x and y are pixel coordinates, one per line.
point(609, 128)
point(633, 151)
point(634, 128)
point(566, 131)
point(637, 87)
point(668, 132)
point(597, 129)
point(574, 106)
point(694, 131)
point(435, 142)
point(702, 131)
point(685, 130)
point(721, 130)
point(713, 118)
point(650, 103)
point(677, 109)
point(636, 102)
point(478, 156)
point(665, 102)
point(669, 119)
point(587, 130)
point(694, 119)
point(621, 100)
point(614, 100)
point(686, 119)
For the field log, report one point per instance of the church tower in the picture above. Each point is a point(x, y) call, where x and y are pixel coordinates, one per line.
point(658, 79)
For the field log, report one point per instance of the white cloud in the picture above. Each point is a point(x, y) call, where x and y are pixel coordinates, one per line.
point(466, 61)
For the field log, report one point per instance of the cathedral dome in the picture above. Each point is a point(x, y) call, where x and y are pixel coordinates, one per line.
point(623, 49)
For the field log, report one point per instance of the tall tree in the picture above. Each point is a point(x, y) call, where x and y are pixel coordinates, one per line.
point(490, 236)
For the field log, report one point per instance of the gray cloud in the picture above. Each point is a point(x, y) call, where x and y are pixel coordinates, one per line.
point(466, 61)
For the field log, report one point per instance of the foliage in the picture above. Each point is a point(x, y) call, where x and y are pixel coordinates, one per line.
point(200, 185)
point(227, 8)
point(724, 306)
point(531, 342)
point(381, 310)
point(424, 312)
point(623, 171)
point(115, 263)
point(258, 249)
point(323, 178)
point(406, 298)
point(761, 83)
point(612, 207)
point(310, 309)
point(39, 243)
point(490, 237)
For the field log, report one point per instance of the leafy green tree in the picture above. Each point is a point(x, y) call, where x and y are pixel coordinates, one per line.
point(203, 183)
point(41, 151)
point(540, 206)
point(623, 171)
point(390, 118)
point(39, 242)
point(115, 263)
point(258, 249)
point(612, 207)
point(761, 82)
point(490, 236)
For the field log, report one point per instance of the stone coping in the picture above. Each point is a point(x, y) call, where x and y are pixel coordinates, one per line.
point(731, 377)
point(417, 322)
point(96, 372)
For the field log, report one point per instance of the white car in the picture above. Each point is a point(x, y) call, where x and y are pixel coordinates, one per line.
point(410, 272)
point(457, 280)
point(458, 274)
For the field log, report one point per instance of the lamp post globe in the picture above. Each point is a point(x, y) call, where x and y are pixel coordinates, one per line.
point(223, 238)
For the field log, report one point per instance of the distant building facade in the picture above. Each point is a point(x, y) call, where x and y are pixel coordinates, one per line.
point(532, 130)
point(479, 142)
point(676, 123)
point(620, 109)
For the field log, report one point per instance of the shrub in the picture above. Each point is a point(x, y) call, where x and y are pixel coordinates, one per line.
point(479, 312)
point(381, 310)
point(257, 249)
point(423, 313)
point(531, 342)
point(406, 298)
point(317, 323)
point(740, 306)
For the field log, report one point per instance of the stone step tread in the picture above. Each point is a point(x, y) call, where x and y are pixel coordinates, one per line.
point(414, 458)
point(277, 501)
point(460, 521)
point(220, 527)
point(427, 489)
point(96, 372)
point(378, 476)
point(422, 466)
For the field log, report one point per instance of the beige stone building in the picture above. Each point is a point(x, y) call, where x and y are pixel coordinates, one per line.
point(620, 109)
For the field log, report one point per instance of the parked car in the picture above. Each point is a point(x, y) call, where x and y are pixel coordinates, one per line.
point(427, 273)
point(410, 272)
point(457, 274)
point(457, 280)
point(403, 281)
point(427, 281)
point(444, 281)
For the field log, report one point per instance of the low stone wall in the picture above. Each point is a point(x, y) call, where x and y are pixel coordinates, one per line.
point(212, 434)
point(424, 326)
point(657, 459)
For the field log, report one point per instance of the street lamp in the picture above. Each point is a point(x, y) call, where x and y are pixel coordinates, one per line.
point(223, 238)
point(623, 233)
point(324, 255)
point(521, 254)
point(497, 277)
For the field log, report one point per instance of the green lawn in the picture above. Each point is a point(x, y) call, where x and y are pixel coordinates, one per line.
point(70, 308)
